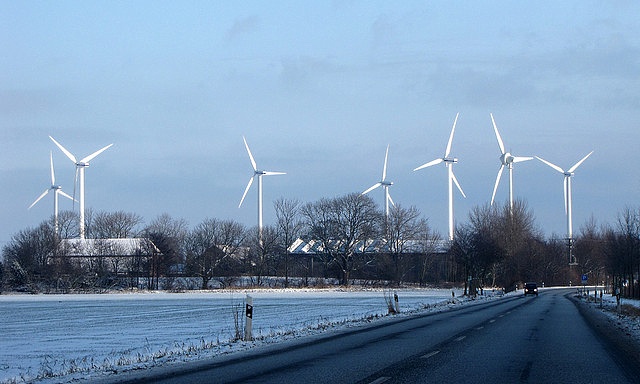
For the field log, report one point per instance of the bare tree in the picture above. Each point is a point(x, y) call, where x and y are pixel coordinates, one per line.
point(28, 256)
point(289, 226)
point(68, 224)
point(319, 224)
point(169, 235)
point(428, 248)
point(212, 244)
point(263, 251)
point(623, 252)
point(117, 224)
point(404, 229)
point(342, 224)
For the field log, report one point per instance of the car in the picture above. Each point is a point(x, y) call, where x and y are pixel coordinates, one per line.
point(531, 289)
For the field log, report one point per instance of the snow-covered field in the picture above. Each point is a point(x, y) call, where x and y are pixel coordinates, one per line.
point(70, 336)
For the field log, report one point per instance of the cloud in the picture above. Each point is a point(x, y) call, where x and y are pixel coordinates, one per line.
point(242, 27)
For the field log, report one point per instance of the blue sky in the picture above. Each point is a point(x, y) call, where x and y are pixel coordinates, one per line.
point(319, 89)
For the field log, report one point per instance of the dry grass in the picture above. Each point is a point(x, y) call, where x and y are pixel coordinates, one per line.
point(630, 310)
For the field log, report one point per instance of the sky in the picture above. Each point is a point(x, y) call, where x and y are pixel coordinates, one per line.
point(319, 89)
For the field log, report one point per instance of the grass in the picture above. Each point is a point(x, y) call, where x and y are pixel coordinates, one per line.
point(630, 310)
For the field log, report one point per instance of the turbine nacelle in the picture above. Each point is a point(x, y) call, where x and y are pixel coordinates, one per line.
point(506, 158)
point(450, 160)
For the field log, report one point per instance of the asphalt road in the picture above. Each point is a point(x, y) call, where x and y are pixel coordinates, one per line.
point(542, 339)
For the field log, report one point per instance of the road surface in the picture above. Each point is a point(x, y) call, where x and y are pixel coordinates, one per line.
point(518, 339)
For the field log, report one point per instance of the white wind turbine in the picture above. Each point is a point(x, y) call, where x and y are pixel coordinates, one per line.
point(384, 184)
point(257, 173)
point(57, 190)
point(506, 159)
point(448, 162)
point(80, 166)
point(567, 190)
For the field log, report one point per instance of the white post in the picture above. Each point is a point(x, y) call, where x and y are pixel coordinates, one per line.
point(395, 298)
point(249, 319)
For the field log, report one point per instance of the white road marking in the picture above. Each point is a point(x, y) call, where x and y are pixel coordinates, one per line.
point(492, 320)
point(461, 338)
point(380, 380)
point(430, 354)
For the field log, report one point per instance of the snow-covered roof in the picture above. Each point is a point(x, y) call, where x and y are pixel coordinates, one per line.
point(109, 247)
point(311, 247)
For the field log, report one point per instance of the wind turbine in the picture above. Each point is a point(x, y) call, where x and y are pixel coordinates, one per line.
point(448, 162)
point(567, 190)
point(256, 174)
point(57, 190)
point(80, 166)
point(384, 184)
point(506, 159)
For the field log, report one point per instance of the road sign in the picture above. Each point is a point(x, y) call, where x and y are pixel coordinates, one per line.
point(584, 278)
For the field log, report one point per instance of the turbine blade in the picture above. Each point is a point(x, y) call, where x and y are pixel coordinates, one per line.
point(432, 162)
point(66, 195)
point(520, 159)
point(495, 128)
point(384, 168)
point(389, 197)
point(551, 164)
point(253, 162)
point(374, 186)
point(572, 169)
point(455, 180)
point(64, 150)
point(53, 175)
point(245, 191)
point(446, 153)
point(94, 154)
point(39, 198)
point(495, 187)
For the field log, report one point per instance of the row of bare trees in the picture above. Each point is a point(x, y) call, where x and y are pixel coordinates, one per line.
point(352, 238)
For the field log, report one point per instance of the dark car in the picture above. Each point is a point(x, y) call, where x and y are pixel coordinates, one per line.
point(531, 289)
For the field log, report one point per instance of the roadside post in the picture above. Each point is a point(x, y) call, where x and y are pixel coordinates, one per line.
point(249, 319)
point(395, 299)
point(584, 283)
point(601, 292)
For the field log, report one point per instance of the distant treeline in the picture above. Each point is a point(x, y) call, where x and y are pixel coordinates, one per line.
point(349, 240)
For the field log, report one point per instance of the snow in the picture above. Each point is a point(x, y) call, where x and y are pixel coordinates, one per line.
point(629, 324)
point(60, 338)
point(64, 338)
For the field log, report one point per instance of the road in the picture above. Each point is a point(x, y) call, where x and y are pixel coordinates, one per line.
point(519, 339)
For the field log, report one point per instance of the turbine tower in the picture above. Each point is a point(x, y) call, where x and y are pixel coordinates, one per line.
point(80, 166)
point(506, 159)
point(567, 190)
point(257, 174)
point(448, 162)
point(385, 185)
point(57, 190)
